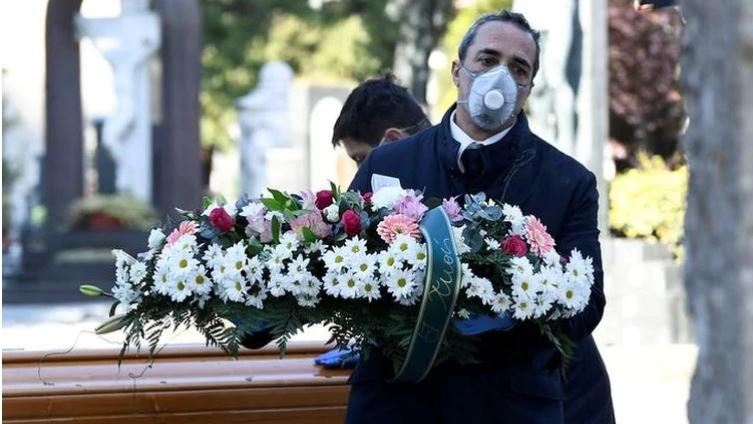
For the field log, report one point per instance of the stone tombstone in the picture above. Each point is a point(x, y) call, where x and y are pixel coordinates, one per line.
point(322, 156)
point(128, 42)
point(265, 119)
point(552, 112)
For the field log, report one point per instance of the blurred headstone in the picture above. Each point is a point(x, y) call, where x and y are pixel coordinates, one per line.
point(127, 42)
point(266, 122)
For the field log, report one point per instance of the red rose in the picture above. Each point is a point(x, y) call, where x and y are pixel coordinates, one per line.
point(323, 199)
point(221, 219)
point(515, 245)
point(351, 222)
point(367, 197)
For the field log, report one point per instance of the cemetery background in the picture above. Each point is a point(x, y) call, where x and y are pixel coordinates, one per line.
point(243, 94)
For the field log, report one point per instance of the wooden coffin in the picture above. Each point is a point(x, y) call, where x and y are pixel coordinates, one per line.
point(186, 384)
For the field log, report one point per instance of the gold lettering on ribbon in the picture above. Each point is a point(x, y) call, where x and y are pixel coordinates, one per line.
point(443, 286)
point(428, 333)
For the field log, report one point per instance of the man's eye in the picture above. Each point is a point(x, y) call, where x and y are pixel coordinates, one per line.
point(487, 61)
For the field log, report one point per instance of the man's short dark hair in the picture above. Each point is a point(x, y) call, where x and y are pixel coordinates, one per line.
point(504, 16)
point(374, 106)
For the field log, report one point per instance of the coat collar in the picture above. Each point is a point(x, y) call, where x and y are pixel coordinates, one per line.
point(515, 187)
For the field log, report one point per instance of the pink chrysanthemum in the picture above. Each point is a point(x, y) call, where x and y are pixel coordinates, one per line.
point(453, 210)
point(396, 224)
point(411, 206)
point(185, 227)
point(537, 236)
point(313, 222)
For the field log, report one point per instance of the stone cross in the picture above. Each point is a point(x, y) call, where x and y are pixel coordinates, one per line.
point(127, 42)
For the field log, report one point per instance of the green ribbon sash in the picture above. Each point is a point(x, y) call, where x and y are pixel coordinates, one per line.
point(441, 287)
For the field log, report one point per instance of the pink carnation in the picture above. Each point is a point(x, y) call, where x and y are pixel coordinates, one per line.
point(539, 239)
point(314, 222)
point(393, 225)
point(411, 206)
point(453, 210)
point(185, 227)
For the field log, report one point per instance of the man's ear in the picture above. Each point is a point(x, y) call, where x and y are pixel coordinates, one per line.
point(394, 134)
point(456, 73)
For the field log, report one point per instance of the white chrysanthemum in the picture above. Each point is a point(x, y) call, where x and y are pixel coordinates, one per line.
point(525, 286)
point(501, 303)
point(522, 309)
point(333, 283)
point(400, 284)
point(462, 314)
point(161, 279)
point(481, 288)
point(466, 275)
point(307, 300)
point(156, 237)
point(363, 265)
point(460, 244)
point(290, 241)
point(335, 259)
point(316, 246)
point(515, 217)
point(182, 263)
point(418, 291)
point(126, 294)
point(580, 268)
point(277, 283)
point(550, 277)
point(185, 242)
point(179, 290)
point(252, 210)
point(254, 269)
point(257, 299)
point(199, 282)
point(520, 265)
point(388, 262)
point(350, 286)
point(417, 256)
point(233, 289)
point(404, 246)
point(386, 197)
point(569, 295)
point(551, 257)
point(137, 272)
point(355, 246)
point(298, 266)
point(122, 258)
point(542, 304)
point(213, 255)
point(370, 290)
point(492, 244)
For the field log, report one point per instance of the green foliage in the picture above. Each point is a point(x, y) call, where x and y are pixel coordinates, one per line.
point(347, 39)
point(455, 31)
point(129, 211)
point(649, 202)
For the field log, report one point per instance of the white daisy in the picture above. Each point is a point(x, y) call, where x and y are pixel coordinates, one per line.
point(460, 245)
point(355, 246)
point(542, 304)
point(400, 284)
point(388, 262)
point(404, 246)
point(256, 300)
point(178, 290)
point(317, 246)
point(481, 288)
point(182, 263)
point(501, 303)
point(492, 244)
point(551, 257)
point(463, 314)
point(370, 290)
point(290, 241)
point(307, 300)
point(520, 265)
point(298, 266)
point(213, 255)
point(515, 217)
point(199, 282)
point(363, 265)
point(156, 237)
point(569, 295)
point(525, 286)
point(137, 272)
point(332, 283)
point(233, 289)
point(350, 286)
point(161, 279)
point(522, 309)
point(417, 256)
point(415, 295)
point(185, 242)
point(126, 294)
point(252, 210)
point(335, 259)
point(254, 269)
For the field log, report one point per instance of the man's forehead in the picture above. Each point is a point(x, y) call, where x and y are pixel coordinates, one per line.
point(505, 37)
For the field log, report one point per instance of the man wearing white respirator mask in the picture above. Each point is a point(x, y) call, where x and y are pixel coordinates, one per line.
point(483, 144)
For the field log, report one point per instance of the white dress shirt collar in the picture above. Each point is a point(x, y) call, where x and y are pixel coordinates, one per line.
point(466, 141)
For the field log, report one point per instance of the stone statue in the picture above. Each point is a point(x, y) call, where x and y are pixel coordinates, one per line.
point(127, 42)
point(552, 101)
point(266, 122)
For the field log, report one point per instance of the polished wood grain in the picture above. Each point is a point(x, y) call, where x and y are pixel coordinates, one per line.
point(186, 384)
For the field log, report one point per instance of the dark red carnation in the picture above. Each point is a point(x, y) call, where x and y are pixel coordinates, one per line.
point(351, 222)
point(221, 220)
point(367, 197)
point(324, 198)
point(515, 245)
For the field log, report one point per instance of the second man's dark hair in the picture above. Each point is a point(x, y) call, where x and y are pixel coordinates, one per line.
point(373, 107)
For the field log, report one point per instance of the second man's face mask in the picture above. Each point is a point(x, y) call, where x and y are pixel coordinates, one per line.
point(492, 97)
